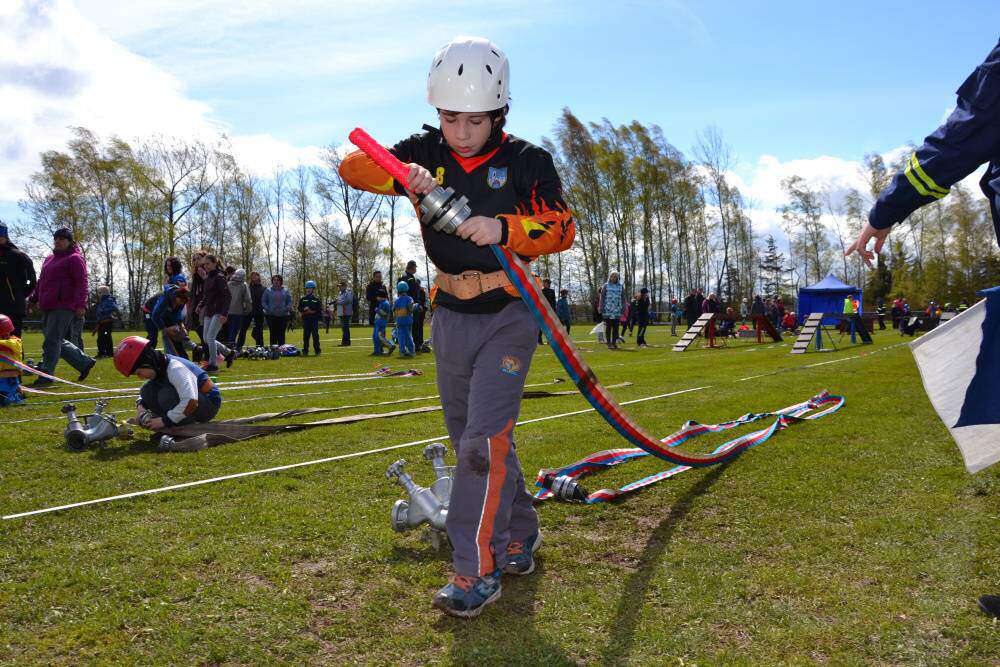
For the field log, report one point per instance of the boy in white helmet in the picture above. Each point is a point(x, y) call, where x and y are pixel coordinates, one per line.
point(484, 336)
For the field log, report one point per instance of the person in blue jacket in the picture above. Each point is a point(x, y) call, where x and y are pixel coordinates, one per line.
point(167, 316)
point(380, 320)
point(277, 305)
point(403, 309)
point(969, 138)
point(105, 313)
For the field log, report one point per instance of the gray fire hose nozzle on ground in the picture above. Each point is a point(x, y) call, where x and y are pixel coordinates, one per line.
point(425, 505)
point(91, 429)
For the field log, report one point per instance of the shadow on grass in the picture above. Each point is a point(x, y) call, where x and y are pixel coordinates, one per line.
point(630, 603)
point(131, 449)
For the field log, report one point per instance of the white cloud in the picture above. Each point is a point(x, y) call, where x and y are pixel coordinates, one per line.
point(761, 183)
point(57, 69)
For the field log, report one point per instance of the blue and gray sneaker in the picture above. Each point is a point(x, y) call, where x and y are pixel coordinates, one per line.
point(467, 596)
point(521, 555)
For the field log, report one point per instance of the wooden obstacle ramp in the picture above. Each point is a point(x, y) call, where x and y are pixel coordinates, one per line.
point(693, 332)
point(812, 324)
point(761, 323)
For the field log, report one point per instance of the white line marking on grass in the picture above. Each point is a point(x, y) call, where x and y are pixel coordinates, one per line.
point(328, 459)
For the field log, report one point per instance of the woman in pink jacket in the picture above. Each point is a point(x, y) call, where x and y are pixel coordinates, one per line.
point(61, 295)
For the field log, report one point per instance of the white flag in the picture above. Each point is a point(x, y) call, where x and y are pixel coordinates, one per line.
point(959, 363)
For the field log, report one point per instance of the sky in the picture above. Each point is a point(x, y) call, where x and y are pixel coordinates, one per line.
point(794, 86)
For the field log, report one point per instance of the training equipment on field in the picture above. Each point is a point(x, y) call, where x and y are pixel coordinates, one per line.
point(764, 326)
point(93, 429)
point(425, 505)
point(260, 353)
point(693, 331)
point(563, 483)
point(559, 341)
point(814, 328)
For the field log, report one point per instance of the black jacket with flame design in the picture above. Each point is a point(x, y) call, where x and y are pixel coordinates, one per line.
point(513, 181)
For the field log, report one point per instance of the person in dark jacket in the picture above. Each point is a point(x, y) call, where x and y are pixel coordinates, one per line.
point(312, 309)
point(692, 308)
point(641, 314)
point(196, 289)
point(711, 304)
point(410, 278)
point(968, 138)
point(214, 312)
point(419, 316)
point(106, 313)
point(240, 309)
point(17, 280)
point(550, 296)
point(256, 294)
point(563, 311)
point(61, 294)
point(373, 291)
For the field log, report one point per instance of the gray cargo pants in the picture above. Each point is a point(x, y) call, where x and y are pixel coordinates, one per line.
point(482, 362)
point(57, 327)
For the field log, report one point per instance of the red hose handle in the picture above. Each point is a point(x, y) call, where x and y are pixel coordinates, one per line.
point(380, 155)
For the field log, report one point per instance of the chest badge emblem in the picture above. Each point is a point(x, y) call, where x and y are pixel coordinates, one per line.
point(496, 177)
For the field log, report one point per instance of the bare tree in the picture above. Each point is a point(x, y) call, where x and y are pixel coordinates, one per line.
point(183, 178)
point(357, 209)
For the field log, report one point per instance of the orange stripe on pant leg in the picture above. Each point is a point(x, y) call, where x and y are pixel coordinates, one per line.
point(498, 445)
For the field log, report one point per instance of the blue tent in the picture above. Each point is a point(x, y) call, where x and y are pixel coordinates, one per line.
point(826, 296)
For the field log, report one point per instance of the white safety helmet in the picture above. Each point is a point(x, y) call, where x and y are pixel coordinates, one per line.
point(469, 74)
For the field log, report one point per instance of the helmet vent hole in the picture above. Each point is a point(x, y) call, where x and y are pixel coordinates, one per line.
point(460, 68)
point(494, 53)
point(438, 64)
point(489, 69)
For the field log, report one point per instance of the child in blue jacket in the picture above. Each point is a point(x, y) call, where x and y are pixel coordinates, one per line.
point(381, 321)
point(106, 313)
point(403, 309)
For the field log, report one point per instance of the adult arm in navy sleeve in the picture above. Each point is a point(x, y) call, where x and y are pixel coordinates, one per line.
point(969, 138)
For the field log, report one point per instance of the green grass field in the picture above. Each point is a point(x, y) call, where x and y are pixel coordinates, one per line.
point(858, 538)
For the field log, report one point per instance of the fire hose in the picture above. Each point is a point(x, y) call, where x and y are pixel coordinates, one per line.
point(444, 210)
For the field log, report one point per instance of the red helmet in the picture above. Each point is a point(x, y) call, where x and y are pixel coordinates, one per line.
point(6, 326)
point(128, 353)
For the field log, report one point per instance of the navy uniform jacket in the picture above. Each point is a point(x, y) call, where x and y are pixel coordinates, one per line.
point(969, 138)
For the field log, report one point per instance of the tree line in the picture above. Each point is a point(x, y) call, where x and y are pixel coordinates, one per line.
point(663, 220)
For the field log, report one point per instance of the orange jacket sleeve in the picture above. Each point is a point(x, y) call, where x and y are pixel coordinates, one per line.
point(361, 172)
point(542, 223)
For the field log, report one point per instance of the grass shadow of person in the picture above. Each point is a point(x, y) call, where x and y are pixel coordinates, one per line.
point(629, 609)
